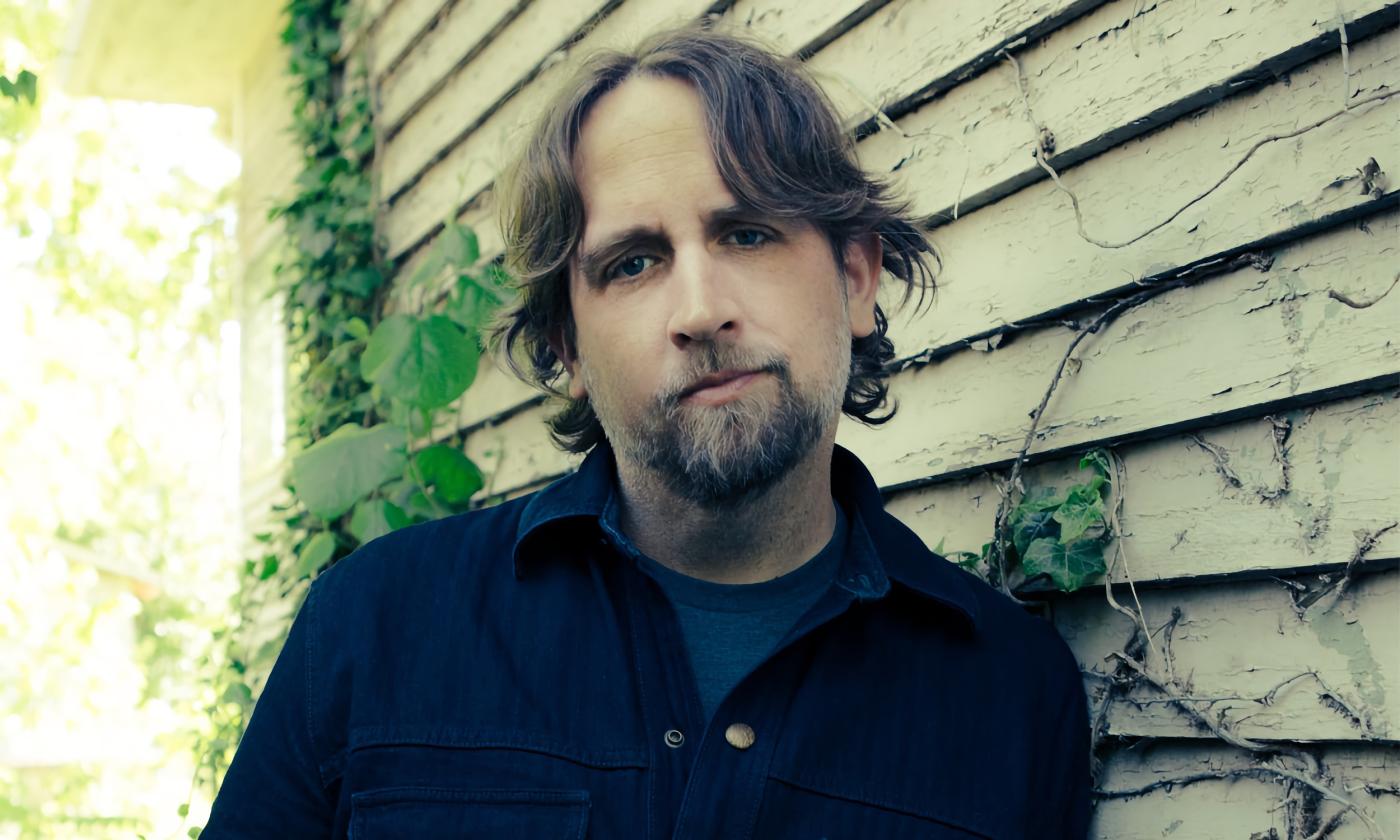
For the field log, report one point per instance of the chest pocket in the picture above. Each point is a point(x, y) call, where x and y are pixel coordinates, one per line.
point(417, 812)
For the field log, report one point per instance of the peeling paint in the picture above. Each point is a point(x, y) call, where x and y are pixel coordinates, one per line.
point(1345, 635)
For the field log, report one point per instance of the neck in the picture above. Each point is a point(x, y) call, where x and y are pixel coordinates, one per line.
point(763, 538)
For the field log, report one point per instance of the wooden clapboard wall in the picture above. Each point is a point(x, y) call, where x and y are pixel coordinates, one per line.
point(1232, 157)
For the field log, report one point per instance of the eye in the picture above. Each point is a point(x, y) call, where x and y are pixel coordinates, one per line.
point(629, 267)
point(748, 237)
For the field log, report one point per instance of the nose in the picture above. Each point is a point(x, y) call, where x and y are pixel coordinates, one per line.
point(704, 307)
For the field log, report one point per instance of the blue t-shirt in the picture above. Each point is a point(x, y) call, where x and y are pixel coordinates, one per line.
point(730, 627)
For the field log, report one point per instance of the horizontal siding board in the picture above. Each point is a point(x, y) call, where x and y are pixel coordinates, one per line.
point(1022, 258)
point(910, 49)
point(1236, 642)
point(470, 166)
point(1109, 76)
point(1181, 519)
point(797, 26)
point(397, 30)
point(452, 42)
point(1158, 368)
point(517, 452)
point(359, 19)
point(512, 58)
point(496, 392)
point(1235, 808)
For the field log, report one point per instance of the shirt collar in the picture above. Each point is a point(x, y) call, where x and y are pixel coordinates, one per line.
point(880, 548)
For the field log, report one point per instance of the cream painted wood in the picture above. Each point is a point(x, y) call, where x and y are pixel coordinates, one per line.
point(517, 452)
point(912, 47)
point(512, 58)
point(1183, 519)
point(1022, 256)
point(794, 26)
point(1240, 343)
point(271, 161)
point(1237, 641)
point(496, 391)
point(1235, 808)
point(1115, 74)
point(396, 30)
point(465, 29)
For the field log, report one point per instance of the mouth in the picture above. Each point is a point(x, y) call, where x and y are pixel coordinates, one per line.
point(719, 388)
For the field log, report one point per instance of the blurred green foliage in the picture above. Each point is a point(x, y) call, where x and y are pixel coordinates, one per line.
point(115, 247)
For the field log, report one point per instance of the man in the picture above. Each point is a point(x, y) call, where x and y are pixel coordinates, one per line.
point(713, 629)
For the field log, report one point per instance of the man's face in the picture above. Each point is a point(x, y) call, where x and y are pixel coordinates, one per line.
point(713, 342)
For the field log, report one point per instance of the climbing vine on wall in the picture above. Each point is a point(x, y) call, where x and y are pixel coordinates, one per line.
point(1052, 533)
point(1144, 669)
point(368, 375)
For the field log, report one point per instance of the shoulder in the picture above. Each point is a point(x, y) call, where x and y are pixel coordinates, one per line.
point(461, 548)
point(1028, 643)
point(1001, 629)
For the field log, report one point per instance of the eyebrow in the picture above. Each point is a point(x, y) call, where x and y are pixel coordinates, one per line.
point(594, 261)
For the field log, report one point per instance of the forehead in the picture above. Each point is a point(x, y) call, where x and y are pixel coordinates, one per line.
point(642, 146)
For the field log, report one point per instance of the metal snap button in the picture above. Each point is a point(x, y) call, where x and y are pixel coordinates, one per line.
point(674, 738)
point(740, 736)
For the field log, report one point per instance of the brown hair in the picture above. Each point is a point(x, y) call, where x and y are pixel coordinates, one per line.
point(779, 148)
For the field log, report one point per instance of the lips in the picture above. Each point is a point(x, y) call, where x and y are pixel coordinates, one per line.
point(719, 387)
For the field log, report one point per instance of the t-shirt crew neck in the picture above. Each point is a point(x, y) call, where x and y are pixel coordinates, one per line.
point(730, 627)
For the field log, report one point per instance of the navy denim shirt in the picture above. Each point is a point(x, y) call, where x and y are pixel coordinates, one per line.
point(507, 673)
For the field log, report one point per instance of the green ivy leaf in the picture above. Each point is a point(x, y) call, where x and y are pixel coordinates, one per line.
point(1040, 498)
point(1082, 514)
point(1069, 566)
point(969, 560)
point(471, 305)
point(460, 247)
point(339, 470)
point(316, 553)
point(357, 328)
point(1097, 460)
point(360, 282)
point(425, 362)
point(1032, 526)
point(373, 518)
point(239, 693)
point(451, 475)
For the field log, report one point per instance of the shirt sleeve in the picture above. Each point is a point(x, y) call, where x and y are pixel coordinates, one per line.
point(273, 787)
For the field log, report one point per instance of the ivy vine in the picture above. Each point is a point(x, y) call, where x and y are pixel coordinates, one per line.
point(367, 383)
point(1058, 535)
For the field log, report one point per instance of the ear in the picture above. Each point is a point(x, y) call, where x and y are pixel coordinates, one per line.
point(862, 259)
point(563, 345)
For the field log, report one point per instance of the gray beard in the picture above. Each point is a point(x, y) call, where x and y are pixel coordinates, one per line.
point(723, 456)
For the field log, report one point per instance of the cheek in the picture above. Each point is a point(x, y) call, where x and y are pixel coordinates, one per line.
point(613, 340)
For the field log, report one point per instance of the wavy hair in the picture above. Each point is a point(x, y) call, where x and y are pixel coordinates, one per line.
point(779, 148)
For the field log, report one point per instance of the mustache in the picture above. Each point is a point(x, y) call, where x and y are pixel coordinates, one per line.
point(713, 359)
